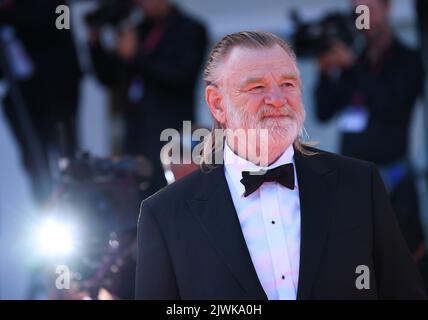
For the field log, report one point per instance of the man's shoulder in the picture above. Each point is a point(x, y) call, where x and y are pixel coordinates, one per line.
point(198, 183)
point(185, 188)
point(349, 173)
point(333, 160)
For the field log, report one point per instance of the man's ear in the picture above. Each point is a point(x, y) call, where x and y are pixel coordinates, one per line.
point(214, 99)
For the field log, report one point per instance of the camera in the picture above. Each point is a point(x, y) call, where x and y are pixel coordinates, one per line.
point(314, 38)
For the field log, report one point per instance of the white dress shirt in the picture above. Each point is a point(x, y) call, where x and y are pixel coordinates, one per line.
point(270, 223)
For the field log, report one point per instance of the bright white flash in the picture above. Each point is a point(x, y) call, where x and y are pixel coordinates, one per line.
point(55, 238)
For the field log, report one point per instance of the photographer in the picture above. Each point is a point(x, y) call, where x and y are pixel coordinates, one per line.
point(154, 69)
point(373, 95)
point(39, 63)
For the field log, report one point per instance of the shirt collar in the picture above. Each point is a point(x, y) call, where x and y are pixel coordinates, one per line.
point(234, 165)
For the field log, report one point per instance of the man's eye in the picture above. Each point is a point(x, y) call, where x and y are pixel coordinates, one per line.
point(257, 88)
point(288, 85)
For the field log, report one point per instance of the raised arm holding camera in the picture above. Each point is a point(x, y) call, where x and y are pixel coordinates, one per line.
point(154, 67)
point(373, 94)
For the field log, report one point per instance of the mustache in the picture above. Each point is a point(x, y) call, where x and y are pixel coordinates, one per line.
point(285, 111)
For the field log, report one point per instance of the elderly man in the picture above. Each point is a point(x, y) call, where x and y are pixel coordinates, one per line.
point(313, 225)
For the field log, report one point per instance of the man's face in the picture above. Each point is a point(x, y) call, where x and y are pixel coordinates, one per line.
point(261, 90)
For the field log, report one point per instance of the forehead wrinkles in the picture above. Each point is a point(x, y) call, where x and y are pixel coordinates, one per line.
point(237, 77)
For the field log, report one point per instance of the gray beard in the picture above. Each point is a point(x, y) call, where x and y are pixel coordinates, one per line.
point(281, 132)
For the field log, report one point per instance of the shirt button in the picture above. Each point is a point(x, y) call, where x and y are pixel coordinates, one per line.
point(273, 222)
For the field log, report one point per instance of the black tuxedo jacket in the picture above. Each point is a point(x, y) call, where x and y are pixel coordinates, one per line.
point(190, 243)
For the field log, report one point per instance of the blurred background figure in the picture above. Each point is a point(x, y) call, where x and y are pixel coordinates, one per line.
point(40, 66)
point(152, 69)
point(422, 14)
point(372, 92)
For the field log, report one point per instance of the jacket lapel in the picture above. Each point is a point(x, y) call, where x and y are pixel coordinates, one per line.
point(214, 209)
point(317, 182)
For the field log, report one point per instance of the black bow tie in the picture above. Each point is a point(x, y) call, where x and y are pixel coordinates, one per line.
point(253, 180)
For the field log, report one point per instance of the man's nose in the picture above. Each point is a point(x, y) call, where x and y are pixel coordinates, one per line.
point(275, 97)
